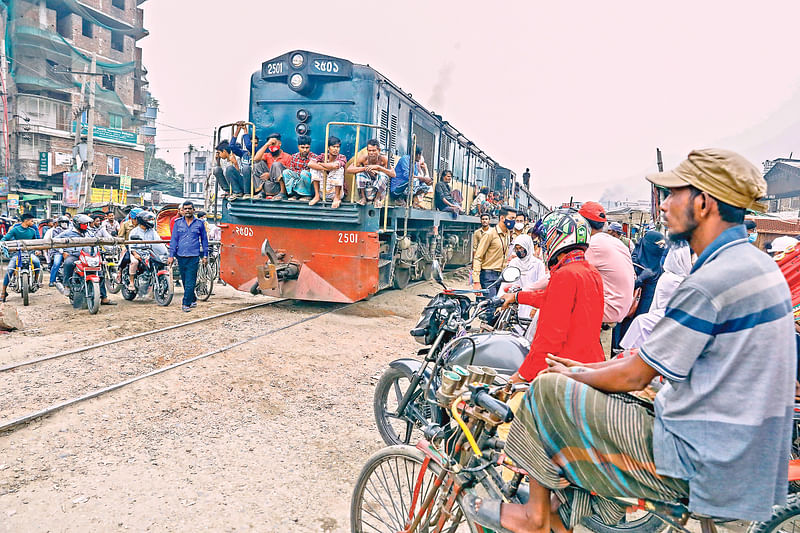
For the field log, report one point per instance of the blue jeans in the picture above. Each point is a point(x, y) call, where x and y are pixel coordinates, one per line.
point(187, 266)
point(58, 258)
point(12, 264)
point(488, 277)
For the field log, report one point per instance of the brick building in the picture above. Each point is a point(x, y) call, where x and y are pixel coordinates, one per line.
point(51, 46)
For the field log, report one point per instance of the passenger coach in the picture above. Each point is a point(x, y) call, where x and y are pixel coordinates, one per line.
point(289, 249)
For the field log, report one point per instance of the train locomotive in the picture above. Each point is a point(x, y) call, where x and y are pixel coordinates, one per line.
point(292, 250)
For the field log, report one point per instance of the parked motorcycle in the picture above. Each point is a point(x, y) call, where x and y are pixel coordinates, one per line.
point(152, 272)
point(405, 397)
point(24, 278)
point(111, 257)
point(84, 285)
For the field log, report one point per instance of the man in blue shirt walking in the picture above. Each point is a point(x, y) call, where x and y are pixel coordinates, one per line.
point(189, 243)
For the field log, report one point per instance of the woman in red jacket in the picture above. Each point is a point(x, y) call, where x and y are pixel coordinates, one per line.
point(571, 307)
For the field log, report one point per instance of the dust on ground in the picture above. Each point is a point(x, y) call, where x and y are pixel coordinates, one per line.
point(269, 436)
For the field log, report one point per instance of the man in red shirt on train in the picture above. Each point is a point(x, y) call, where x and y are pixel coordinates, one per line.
point(571, 307)
point(269, 163)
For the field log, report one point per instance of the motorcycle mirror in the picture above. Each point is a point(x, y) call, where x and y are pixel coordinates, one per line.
point(510, 274)
point(437, 273)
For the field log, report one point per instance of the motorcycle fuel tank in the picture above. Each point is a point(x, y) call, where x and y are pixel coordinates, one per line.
point(501, 350)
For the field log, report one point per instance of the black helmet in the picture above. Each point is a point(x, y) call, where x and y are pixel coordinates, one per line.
point(81, 222)
point(146, 219)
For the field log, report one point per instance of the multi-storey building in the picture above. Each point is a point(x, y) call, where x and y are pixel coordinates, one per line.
point(53, 47)
point(197, 165)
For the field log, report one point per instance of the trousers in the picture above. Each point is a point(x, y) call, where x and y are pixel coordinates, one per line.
point(187, 266)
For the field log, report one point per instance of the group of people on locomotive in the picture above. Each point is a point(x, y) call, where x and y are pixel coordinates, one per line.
point(274, 174)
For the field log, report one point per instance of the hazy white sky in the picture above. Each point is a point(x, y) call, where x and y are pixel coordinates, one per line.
point(580, 92)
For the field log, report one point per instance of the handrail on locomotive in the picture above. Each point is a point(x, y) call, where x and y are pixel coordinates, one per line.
point(359, 125)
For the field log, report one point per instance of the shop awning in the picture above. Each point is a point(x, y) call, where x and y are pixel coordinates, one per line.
point(31, 197)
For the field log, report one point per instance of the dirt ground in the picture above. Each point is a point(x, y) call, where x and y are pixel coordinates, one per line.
point(269, 436)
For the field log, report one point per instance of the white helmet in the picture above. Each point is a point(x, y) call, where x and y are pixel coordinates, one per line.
point(780, 244)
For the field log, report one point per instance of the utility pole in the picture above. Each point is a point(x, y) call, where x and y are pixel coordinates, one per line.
point(90, 132)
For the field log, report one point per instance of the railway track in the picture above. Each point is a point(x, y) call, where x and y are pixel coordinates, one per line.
point(35, 360)
point(9, 426)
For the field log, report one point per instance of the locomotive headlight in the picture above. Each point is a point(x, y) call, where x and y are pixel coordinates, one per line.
point(298, 60)
point(296, 81)
point(303, 115)
point(301, 129)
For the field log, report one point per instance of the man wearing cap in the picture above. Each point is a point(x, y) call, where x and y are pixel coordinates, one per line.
point(613, 260)
point(726, 348)
point(615, 230)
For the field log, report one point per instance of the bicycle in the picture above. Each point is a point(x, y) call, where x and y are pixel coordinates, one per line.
point(421, 488)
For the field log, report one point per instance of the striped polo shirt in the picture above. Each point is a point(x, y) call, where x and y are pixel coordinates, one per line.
point(726, 348)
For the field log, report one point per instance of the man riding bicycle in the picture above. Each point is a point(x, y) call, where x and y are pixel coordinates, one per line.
point(721, 432)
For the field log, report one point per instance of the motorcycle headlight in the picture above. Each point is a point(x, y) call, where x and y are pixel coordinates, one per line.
point(93, 261)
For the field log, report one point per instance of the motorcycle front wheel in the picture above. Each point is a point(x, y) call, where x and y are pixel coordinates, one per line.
point(25, 287)
point(389, 392)
point(163, 290)
point(112, 285)
point(93, 297)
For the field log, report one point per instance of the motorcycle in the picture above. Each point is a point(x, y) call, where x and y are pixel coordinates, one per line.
point(152, 271)
point(111, 257)
point(84, 285)
point(24, 278)
point(406, 395)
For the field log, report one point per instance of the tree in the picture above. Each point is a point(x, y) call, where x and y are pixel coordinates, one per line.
point(160, 175)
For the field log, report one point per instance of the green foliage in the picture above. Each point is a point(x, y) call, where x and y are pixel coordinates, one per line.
point(161, 175)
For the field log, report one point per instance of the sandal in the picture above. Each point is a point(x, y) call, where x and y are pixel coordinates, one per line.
point(487, 513)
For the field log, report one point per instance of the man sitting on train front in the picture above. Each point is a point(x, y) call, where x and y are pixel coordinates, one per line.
point(334, 165)
point(372, 171)
point(227, 171)
point(297, 178)
point(268, 169)
point(422, 182)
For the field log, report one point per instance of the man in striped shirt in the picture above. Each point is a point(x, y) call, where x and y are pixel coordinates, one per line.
point(722, 427)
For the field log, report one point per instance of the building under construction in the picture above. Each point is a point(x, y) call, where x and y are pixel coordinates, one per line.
point(74, 99)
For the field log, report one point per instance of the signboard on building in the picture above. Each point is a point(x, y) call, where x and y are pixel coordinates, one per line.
point(72, 189)
point(125, 183)
point(44, 163)
point(13, 201)
point(109, 134)
point(155, 197)
point(106, 196)
point(63, 158)
point(3, 185)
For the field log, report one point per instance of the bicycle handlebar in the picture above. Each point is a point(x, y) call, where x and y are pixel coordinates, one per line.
point(502, 411)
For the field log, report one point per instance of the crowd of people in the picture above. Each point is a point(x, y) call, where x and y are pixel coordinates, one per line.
point(188, 246)
point(244, 168)
point(684, 319)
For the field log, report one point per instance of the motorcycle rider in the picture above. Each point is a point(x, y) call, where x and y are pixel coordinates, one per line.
point(55, 257)
point(96, 229)
point(145, 231)
point(571, 306)
point(81, 224)
point(124, 231)
point(25, 230)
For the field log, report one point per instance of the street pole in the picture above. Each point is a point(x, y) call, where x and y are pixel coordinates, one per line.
point(90, 132)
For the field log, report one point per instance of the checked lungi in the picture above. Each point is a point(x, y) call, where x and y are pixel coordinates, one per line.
point(588, 446)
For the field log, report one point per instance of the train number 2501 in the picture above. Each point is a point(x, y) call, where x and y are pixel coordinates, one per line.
point(348, 238)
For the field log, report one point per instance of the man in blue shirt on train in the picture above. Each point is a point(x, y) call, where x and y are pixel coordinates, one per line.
point(422, 181)
point(189, 243)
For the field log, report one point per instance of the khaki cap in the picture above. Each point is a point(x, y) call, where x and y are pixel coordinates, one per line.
point(723, 174)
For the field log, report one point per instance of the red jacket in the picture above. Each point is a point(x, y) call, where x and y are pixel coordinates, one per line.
point(570, 315)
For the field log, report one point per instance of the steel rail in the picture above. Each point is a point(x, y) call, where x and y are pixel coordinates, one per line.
point(57, 407)
point(134, 336)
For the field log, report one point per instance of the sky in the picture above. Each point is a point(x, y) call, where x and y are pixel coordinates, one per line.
point(582, 93)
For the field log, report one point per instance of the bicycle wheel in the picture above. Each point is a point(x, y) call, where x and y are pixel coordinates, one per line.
point(784, 519)
point(394, 480)
point(205, 282)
